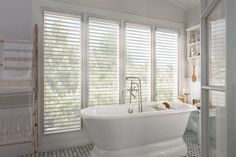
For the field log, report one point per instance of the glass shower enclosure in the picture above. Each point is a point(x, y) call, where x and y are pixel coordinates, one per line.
point(218, 78)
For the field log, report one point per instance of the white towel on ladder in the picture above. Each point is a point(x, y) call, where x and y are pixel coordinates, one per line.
point(16, 125)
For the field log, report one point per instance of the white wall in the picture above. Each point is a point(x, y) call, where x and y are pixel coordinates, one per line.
point(16, 19)
point(159, 9)
point(193, 16)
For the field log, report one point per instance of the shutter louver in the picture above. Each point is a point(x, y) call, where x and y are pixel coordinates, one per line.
point(166, 65)
point(103, 62)
point(138, 57)
point(62, 37)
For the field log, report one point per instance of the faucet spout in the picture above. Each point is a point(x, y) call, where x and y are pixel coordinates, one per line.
point(135, 85)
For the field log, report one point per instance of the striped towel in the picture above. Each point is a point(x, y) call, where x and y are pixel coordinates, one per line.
point(17, 59)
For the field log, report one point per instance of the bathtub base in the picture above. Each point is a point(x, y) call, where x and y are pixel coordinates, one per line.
point(170, 148)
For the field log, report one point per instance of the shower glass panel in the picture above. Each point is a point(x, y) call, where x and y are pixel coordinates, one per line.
point(217, 142)
point(217, 43)
point(217, 124)
point(209, 1)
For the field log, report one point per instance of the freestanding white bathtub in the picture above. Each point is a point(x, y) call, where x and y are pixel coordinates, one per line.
point(116, 133)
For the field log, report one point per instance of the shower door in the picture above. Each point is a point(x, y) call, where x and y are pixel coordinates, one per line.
point(213, 89)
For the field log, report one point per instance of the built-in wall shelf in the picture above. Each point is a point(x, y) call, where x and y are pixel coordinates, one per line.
point(193, 43)
point(193, 56)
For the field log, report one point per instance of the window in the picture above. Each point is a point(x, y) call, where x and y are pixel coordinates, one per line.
point(61, 72)
point(166, 71)
point(65, 63)
point(138, 56)
point(103, 62)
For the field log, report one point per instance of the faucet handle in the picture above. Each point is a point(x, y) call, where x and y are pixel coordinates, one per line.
point(130, 110)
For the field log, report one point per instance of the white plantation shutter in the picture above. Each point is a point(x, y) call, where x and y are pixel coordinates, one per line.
point(138, 57)
point(103, 62)
point(62, 36)
point(166, 65)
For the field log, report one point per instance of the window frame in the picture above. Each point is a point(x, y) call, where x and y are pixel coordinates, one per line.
point(41, 71)
point(178, 59)
point(153, 23)
point(150, 55)
point(88, 51)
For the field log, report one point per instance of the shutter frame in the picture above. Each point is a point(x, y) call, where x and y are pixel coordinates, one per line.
point(138, 51)
point(166, 44)
point(103, 61)
point(62, 59)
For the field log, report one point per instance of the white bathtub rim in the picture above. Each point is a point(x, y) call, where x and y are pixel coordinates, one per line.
point(85, 115)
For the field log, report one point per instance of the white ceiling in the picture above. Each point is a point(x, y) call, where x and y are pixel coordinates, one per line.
point(186, 4)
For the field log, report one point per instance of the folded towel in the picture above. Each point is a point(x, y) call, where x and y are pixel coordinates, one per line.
point(162, 105)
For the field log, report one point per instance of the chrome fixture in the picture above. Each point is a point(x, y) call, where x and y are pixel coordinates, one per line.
point(130, 110)
point(135, 86)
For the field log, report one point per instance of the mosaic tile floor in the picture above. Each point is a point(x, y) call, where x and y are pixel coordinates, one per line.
point(190, 138)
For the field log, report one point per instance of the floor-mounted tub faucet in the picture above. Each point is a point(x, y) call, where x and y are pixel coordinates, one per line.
point(135, 87)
